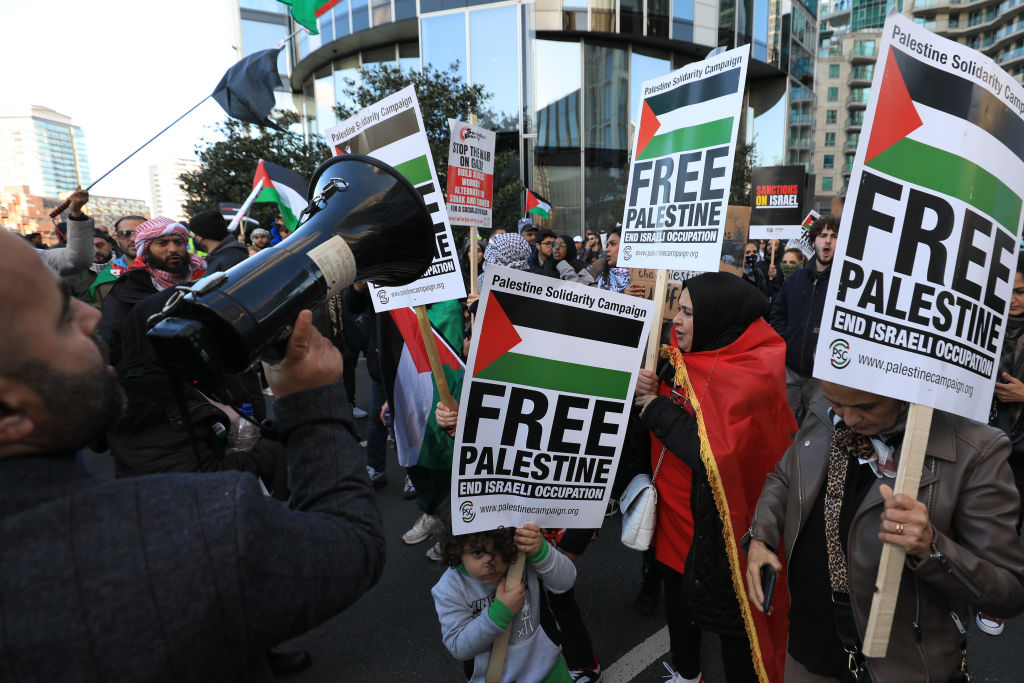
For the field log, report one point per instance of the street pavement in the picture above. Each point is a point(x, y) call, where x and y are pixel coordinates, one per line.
point(392, 632)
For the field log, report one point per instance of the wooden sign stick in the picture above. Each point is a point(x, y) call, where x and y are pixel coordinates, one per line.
point(434, 356)
point(890, 568)
point(660, 287)
point(499, 650)
point(474, 248)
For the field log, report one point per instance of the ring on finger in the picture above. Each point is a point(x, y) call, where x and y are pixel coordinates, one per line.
point(899, 529)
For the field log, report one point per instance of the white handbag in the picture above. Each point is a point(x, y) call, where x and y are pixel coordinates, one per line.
point(639, 505)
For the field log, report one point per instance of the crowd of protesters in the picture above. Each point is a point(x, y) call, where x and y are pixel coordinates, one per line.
point(752, 453)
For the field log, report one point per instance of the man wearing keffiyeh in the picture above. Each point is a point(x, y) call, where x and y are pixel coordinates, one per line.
point(162, 260)
point(829, 506)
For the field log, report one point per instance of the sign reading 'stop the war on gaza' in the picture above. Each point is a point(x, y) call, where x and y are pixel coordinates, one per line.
point(918, 297)
point(682, 165)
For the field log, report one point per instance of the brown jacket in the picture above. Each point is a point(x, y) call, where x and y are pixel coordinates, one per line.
point(972, 502)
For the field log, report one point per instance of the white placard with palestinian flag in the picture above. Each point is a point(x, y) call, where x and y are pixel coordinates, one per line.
point(681, 168)
point(470, 174)
point(920, 286)
point(545, 402)
point(392, 131)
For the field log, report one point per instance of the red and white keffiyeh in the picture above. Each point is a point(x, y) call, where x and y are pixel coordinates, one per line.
point(160, 227)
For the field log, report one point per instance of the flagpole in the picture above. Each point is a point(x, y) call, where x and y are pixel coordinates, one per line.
point(237, 218)
point(435, 358)
point(67, 202)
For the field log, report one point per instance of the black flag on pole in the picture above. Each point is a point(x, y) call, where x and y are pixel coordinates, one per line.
point(246, 92)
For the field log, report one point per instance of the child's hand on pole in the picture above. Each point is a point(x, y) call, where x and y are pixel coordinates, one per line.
point(528, 538)
point(513, 597)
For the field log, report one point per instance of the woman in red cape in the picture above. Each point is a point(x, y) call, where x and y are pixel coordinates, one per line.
point(718, 422)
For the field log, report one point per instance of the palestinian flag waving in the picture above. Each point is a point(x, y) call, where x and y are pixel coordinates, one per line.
point(941, 131)
point(284, 187)
point(418, 438)
point(537, 204)
point(535, 342)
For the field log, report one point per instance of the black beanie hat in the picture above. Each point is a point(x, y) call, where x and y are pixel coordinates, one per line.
point(209, 224)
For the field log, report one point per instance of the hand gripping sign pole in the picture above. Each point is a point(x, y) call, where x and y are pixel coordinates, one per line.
point(654, 340)
point(890, 568)
point(499, 650)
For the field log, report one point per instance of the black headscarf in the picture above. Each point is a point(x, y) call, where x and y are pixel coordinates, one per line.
point(724, 305)
point(571, 253)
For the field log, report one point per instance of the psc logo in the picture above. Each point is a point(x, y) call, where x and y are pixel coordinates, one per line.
point(382, 295)
point(468, 515)
point(627, 252)
point(840, 350)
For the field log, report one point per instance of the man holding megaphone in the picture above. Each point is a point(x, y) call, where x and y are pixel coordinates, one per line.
point(190, 577)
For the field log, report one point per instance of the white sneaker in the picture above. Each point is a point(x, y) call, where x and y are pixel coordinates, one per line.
point(422, 529)
point(434, 554)
point(358, 412)
point(676, 677)
point(988, 624)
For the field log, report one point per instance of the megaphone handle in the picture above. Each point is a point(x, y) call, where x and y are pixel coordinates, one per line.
point(440, 380)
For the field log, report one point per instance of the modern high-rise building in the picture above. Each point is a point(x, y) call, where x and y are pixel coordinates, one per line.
point(850, 32)
point(564, 75)
point(42, 149)
point(168, 199)
point(993, 27)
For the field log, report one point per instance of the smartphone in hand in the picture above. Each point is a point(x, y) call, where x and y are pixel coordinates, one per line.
point(767, 586)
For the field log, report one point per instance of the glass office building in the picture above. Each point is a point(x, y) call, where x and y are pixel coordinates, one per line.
point(43, 149)
point(565, 75)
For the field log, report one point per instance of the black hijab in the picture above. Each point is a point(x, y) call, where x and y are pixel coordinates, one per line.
point(724, 306)
point(571, 253)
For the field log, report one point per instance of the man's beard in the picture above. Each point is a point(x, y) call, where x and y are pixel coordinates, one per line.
point(101, 258)
point(180, 269)
point(80, 406)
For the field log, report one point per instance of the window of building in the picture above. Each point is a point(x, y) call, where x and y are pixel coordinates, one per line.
point(494, 56)
point(830, 139)
point(954, 20)
point(829, 161)
point(831, 116)
point(833, 94)
point(443, 41)
point(833, 71)
point(826, 183)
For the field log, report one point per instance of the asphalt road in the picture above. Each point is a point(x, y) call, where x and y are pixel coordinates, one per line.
point(392, 633)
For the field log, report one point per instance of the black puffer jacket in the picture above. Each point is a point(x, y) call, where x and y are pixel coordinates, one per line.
point(713, 603)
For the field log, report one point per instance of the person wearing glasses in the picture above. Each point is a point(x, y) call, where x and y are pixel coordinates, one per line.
point(543, 263)
point(124, 234)
point(563, 251)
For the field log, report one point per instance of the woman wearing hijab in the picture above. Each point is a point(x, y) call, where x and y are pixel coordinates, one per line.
point(717, 421)
point(569, 267)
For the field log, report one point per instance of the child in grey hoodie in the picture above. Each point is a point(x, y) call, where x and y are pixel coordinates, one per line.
point(475, 605)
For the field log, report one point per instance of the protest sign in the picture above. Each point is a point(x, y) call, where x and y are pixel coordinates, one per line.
point(917, 303)
point(803, 241)
point(392, 131)
point(545, 402)
point(682, 165)
point(470, 174)
point(776, 196)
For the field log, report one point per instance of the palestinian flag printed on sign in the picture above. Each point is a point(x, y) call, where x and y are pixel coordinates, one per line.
point(284, 187)
point(681, 166)
point(392, 131)
point(928, 240)
point(537, 205)
point(545, 402)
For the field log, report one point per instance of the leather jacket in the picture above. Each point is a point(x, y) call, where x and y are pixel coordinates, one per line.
point(972, 503)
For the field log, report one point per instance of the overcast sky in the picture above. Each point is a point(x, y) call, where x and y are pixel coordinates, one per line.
point(122, 70)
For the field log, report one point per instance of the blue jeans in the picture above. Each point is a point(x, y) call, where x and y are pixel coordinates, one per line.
point(376, 432)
